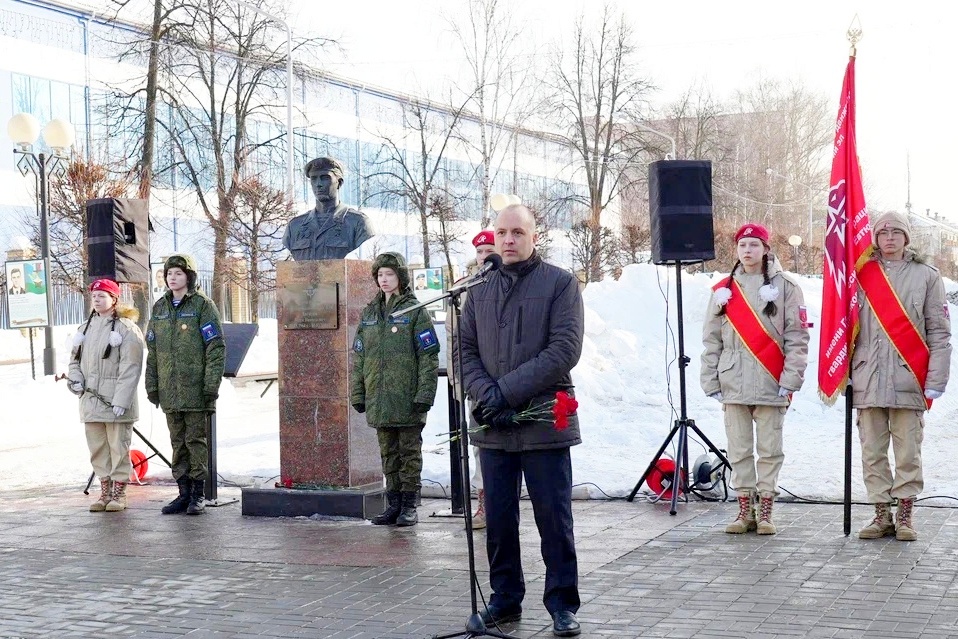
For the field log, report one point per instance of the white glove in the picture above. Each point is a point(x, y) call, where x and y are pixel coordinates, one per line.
point(716, 396)
point(118, 411)
point(782, 391)
point(76, 387)
point(930, 393)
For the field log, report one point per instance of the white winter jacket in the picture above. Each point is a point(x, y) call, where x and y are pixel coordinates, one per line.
point(880, 377)
point(115, 378)
point(730, 368)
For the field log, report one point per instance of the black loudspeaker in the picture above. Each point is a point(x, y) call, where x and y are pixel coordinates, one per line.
point(118, 239)
point(680, 204)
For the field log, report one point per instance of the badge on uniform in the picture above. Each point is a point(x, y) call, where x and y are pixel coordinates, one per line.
point(150, 336)
point(209, 332)
point(803, 317)
point(358, 345)
point(427, 339)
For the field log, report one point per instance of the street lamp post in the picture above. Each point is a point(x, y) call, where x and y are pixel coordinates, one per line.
point(59, 135)
point(795, 241)
point(289, 92)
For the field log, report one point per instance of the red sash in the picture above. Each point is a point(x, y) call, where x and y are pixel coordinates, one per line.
point(752, 332)
point(895, 321)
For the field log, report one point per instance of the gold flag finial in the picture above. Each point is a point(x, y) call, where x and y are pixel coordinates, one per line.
point(854, 34)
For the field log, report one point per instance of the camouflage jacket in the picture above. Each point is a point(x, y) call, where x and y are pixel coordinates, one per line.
point(395, 362)
point(185, 352)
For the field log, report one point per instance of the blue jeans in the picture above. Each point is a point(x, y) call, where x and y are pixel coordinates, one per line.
point(548, 475)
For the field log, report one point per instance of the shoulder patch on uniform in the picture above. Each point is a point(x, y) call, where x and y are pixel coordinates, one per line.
point(209, 331)
point(358, 344)
point(150, 336)
point(427, 339)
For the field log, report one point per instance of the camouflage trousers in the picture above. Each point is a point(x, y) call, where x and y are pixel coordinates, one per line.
point(401, 452)
point(188, 438)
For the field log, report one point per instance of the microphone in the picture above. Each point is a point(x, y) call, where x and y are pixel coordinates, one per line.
point(492, 263)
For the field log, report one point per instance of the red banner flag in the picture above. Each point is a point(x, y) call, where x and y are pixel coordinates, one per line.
point(848, 244)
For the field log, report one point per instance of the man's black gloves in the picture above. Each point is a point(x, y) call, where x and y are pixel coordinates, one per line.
point(498, 418)
point(421, 408)
point(359, 408)
point(493, 398)
point(154, 398)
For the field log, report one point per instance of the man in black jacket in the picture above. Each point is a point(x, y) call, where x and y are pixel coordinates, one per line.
point(521, 336)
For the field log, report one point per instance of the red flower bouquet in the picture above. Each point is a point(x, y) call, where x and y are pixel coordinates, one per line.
point(560, 409)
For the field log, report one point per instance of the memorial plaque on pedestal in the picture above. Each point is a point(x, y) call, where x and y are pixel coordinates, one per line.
point(329, 456)
point(309, 305)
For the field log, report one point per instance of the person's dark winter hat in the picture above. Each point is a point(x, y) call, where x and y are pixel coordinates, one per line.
point(184, 262)
point(396, 262)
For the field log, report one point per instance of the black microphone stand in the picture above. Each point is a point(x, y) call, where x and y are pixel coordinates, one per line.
point(475, 626)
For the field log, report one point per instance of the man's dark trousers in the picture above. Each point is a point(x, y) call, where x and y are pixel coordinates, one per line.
point(548, 475)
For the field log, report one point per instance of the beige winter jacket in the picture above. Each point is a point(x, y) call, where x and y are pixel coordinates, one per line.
point(730, 368)
point(880, 377)
point(115, 378)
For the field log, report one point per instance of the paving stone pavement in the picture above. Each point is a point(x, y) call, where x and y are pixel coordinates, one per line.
point(65, 572)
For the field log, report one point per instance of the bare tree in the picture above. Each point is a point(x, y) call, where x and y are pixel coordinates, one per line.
point(256, 232)
point(598, 91)
point(83, 180)
point(411, 166)
point(221, 75)
point(447, 226)
point(585, 240)
point(500, 96)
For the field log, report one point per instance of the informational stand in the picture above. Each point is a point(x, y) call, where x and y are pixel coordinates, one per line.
point(237, 338)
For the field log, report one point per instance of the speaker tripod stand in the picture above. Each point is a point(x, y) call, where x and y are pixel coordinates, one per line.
point(680, 428)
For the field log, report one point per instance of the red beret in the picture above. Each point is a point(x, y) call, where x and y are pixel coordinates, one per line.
point(484, 237)
point(753, 230)
point(107, 286)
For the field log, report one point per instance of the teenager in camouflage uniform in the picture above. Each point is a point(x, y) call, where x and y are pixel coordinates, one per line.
point(184, 367)
point(395, 373)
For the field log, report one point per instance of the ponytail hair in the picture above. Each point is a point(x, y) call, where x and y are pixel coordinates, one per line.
point(770, 309)
point(728, 287)
point(80, 337)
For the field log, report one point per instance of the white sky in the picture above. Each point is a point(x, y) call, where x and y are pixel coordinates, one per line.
point(905, 63)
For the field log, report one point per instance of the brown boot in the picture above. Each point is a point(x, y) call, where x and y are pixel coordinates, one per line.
point(479, 519)
point(904, 529)
point(117, 497)
point(745, 520)
point(880, 526)
point(106, 487)
point(765, 524)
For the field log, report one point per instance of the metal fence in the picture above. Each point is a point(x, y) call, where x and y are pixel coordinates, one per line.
point(69, 306)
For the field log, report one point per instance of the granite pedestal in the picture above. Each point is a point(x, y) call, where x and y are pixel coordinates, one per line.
point(329, 456)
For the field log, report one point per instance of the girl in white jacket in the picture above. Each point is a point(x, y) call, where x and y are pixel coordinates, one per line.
point(756, 349)
point(107, 360)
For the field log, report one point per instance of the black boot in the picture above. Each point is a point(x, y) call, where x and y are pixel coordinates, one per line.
point(408, 516)
point(179, 504)
point(197, 498)
point(388, 517)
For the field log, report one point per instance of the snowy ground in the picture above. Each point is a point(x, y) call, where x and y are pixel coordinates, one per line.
point(627, 383)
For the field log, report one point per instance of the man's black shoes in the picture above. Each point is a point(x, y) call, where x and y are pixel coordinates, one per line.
point(493, 615)
point(564, 624)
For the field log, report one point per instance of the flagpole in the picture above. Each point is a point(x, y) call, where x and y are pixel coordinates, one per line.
point(854, 35)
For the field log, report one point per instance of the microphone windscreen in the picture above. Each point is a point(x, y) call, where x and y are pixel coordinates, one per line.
point(494, 261)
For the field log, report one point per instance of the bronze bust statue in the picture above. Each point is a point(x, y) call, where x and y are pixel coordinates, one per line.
point(331, 230)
